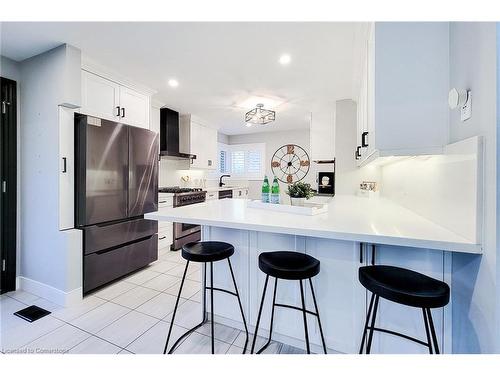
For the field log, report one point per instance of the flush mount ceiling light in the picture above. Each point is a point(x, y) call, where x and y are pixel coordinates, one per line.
point(173, 82)
point(259, 115)
point(285, 59)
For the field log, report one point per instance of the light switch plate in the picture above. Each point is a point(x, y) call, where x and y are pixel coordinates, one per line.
point(466, 110)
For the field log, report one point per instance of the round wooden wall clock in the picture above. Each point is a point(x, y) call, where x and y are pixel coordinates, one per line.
point(290, 163)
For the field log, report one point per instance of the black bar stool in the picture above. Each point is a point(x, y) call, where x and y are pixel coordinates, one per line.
point(405, 287)
point(206, 252)
point(288, 265)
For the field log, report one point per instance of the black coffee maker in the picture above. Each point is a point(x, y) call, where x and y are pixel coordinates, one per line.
point(326, 183)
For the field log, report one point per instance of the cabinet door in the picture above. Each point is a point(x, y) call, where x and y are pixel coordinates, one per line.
point(100, 97)
point(197, 144)
point(211, 148)
point(134, 108)
point(340, 296)
point(66, 168)
point(405, 319)
point(322, 136)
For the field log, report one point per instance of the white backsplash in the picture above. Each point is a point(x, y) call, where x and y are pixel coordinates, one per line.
point(172, 172)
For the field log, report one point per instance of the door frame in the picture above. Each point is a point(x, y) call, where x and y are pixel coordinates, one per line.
point(8, 173)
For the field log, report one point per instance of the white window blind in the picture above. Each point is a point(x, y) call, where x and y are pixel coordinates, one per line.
point(245, 161)
point(238, 162)
point(223, 165)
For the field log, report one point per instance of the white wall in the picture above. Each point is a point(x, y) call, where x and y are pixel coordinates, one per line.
point(273, 141)
point(10, 69)
point(50, 261)
point(473, 54)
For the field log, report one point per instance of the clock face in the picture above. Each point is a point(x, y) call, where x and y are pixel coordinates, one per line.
point(290, 163)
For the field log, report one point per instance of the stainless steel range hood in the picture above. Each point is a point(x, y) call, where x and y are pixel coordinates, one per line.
point(169, 135)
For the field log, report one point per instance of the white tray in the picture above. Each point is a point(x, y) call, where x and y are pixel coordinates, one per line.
point(307, 209)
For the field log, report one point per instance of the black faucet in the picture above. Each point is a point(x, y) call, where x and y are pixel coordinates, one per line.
point(221, 184)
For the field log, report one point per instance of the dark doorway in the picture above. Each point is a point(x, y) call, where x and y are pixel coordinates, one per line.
point(8, 184)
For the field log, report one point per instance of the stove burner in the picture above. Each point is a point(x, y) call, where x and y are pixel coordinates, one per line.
point(177, 190)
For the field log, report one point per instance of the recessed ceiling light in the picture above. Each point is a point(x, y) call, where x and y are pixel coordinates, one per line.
point(173, 83)
point(285, 59)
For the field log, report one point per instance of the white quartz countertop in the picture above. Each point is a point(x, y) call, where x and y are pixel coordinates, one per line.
point(230, 187)
point(371, 220)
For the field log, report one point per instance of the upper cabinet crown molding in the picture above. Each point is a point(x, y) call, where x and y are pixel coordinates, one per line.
point(92, 66)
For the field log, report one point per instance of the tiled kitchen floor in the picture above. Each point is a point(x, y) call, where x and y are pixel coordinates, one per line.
point(129, 316)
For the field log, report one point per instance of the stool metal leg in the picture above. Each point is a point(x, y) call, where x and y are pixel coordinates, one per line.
point(173, 315)
point(305, 317)
point(212, 303)
point(372, 326)
point(424, 313)
point(366, 324)
point(317, 315)
point(433, 332)
point(241, 306)
point(259, 315)
point(272, 319)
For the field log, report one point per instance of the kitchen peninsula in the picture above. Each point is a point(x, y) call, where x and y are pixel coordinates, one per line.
point(355, 231)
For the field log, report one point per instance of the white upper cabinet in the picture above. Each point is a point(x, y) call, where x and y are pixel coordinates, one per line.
point(134, 107)
point(321, 134)
point(202, 143)
point(107, 99)
point(403, 88)
point(100, 97)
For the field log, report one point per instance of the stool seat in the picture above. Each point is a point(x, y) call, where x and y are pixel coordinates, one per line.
point(207, 251)
point(288, 265)
point(404, 286)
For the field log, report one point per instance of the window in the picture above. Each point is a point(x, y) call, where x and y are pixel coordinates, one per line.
point(245, 161)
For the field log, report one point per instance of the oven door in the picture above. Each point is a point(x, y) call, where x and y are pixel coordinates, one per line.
point(184, 229)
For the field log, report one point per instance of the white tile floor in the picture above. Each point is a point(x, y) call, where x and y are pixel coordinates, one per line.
point(131, 315)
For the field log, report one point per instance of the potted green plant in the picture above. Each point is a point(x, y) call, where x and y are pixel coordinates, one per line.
point(299, 192)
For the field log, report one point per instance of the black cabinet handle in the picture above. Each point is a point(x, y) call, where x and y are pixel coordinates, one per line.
point(361, 252)
point(364, 139)
point(118, 109)
point(358, 152)
point(162, 202)
point(64, 170)
point(123, 112)
point(373, 254)
point(162, 238)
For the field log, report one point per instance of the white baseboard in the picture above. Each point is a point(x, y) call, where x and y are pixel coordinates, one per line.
point(50, 293)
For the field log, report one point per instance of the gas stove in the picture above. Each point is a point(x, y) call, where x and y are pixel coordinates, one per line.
point(178, 190)
point(185, 196)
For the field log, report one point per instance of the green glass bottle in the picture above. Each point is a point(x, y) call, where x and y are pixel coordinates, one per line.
point(265, 190)
point(275, 191)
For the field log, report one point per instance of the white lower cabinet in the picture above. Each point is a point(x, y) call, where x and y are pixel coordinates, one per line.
point(240, 193)
point(165, 228)
point(212, 195)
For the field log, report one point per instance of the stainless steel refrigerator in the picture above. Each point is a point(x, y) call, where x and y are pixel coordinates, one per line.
point(116, 184)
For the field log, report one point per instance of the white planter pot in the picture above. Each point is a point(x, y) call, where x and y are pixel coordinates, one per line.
point(297, 201)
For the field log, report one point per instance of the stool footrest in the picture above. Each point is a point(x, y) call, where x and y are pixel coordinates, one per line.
point(222, 290)
point(295, 308)
point(186, 334)
point(400, 335)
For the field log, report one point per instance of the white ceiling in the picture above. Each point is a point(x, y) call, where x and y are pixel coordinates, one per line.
point(218, 65)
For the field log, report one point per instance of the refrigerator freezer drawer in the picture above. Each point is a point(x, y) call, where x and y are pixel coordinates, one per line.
point(102, 237)
point(101, 268)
